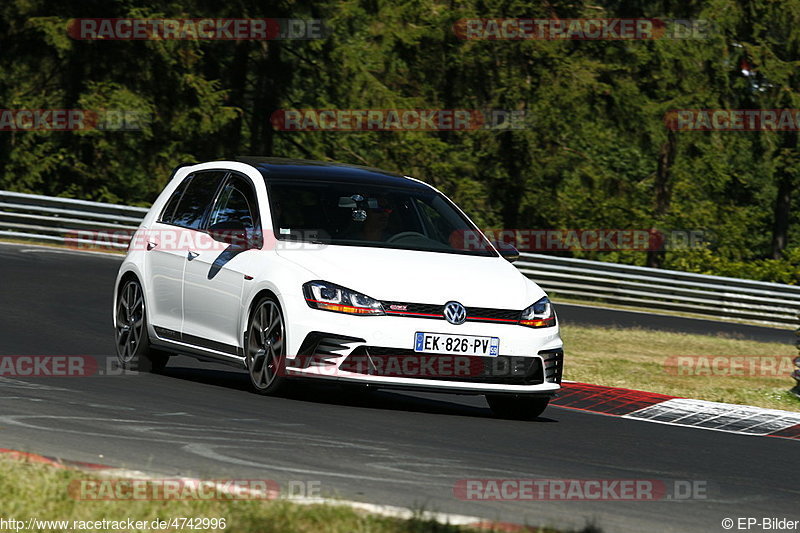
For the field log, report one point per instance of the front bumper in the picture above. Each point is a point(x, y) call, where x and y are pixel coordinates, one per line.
point(378, 351)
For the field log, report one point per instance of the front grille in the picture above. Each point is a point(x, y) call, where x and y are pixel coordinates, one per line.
point(485, 314)
point(474, 314)
point(409, 309)
point(404, 363)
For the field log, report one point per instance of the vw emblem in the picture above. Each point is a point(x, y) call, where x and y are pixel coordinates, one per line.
point(455, 313)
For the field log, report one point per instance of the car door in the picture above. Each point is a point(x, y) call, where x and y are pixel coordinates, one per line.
point(164, 267)
point(215, 272)
point(167, 247)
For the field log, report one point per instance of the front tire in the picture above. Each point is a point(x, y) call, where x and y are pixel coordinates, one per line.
point(265, 343)
point(517, 407)
point(130, 328)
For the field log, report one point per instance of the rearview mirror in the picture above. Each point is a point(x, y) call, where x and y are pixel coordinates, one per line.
point(350, 201)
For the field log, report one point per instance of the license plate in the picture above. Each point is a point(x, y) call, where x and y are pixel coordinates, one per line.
point(456, 344)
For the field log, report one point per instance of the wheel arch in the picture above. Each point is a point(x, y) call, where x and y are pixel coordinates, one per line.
point(259, 294)
point(126, 273)
point(125, 277)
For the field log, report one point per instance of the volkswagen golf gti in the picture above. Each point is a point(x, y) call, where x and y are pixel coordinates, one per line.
point(296, 269)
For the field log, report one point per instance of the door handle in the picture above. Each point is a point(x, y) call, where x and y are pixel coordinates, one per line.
point(151, 245)
point(192, 255)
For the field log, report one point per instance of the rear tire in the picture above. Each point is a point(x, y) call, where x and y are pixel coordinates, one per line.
point(130, 326)
point(517, 407)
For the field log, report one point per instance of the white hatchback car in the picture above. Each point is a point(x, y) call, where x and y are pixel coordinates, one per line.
point(301, 269)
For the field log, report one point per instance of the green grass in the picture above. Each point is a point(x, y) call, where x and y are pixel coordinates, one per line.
point(35, 490)
point(637, 359)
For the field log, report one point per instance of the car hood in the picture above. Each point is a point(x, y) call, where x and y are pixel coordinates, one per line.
point(419, 277)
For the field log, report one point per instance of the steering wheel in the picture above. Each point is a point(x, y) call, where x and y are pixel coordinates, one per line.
point(405, 235)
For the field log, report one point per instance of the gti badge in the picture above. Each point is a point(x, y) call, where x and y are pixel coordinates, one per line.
point(455, 313)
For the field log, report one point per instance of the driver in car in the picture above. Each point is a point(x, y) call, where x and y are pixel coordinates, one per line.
point(375, 226)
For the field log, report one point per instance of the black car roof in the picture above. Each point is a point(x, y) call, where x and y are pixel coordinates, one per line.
point(280, 168)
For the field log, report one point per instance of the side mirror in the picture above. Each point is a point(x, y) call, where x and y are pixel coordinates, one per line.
point(508, 251)
point(232, 232)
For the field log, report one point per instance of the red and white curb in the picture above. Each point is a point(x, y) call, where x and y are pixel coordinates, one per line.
point(389, 511)
point(664, 409)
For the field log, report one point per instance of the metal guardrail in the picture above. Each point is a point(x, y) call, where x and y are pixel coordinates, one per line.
point(651, 288)
point(52, 219)
point(46, 218)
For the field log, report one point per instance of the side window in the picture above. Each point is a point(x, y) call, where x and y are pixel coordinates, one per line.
point(237, 203)
point(196, 199)
point(169, 211)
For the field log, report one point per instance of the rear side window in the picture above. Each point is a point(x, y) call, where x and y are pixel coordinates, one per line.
point(196, 199)
point(169, 211)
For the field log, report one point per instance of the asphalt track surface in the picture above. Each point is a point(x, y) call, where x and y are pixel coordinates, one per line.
point(198, 419)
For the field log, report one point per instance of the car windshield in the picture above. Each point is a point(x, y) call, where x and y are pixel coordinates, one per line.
point(372, 215)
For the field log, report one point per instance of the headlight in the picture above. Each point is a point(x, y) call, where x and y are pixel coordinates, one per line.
point(539, 315)
point(332, 297)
